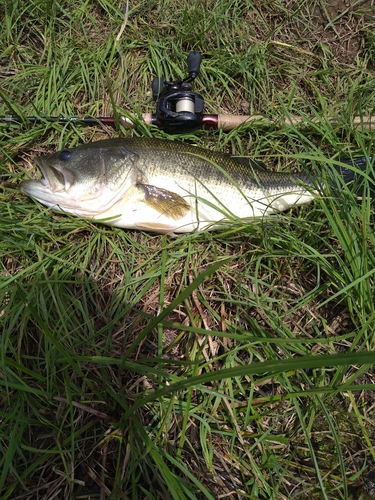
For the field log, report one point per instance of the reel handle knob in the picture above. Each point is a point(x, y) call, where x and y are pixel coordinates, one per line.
point(194, 61)
point(157, 87)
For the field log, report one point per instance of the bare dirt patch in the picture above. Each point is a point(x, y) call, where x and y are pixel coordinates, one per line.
point(343, 24)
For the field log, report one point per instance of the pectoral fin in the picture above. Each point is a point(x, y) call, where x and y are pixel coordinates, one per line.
point(165, 202)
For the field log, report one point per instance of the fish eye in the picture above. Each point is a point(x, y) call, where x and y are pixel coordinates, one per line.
point(64, 155)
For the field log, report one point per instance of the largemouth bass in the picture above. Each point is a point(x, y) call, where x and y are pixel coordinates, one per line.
point(162, 186)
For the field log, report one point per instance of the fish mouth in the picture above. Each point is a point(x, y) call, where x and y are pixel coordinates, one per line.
point(52, 188)
point(54, 178)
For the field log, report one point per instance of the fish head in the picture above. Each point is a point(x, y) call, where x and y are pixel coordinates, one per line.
point(85, 181)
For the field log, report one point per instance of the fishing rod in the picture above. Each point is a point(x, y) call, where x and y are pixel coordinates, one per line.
point(179, 109)
point(209, 122)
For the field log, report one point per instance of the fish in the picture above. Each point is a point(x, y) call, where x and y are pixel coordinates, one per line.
point(165, 186)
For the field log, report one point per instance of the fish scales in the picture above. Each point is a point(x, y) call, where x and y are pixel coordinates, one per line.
point(202, 164)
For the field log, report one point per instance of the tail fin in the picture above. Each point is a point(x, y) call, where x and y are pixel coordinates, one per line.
point(365, 165)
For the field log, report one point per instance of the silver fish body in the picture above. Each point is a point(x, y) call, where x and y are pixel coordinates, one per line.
point(162, 186)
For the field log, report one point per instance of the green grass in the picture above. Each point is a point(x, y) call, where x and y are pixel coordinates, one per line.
point(230, 364)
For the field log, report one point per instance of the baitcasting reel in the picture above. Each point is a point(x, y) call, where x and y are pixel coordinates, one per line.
point(178, 108)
